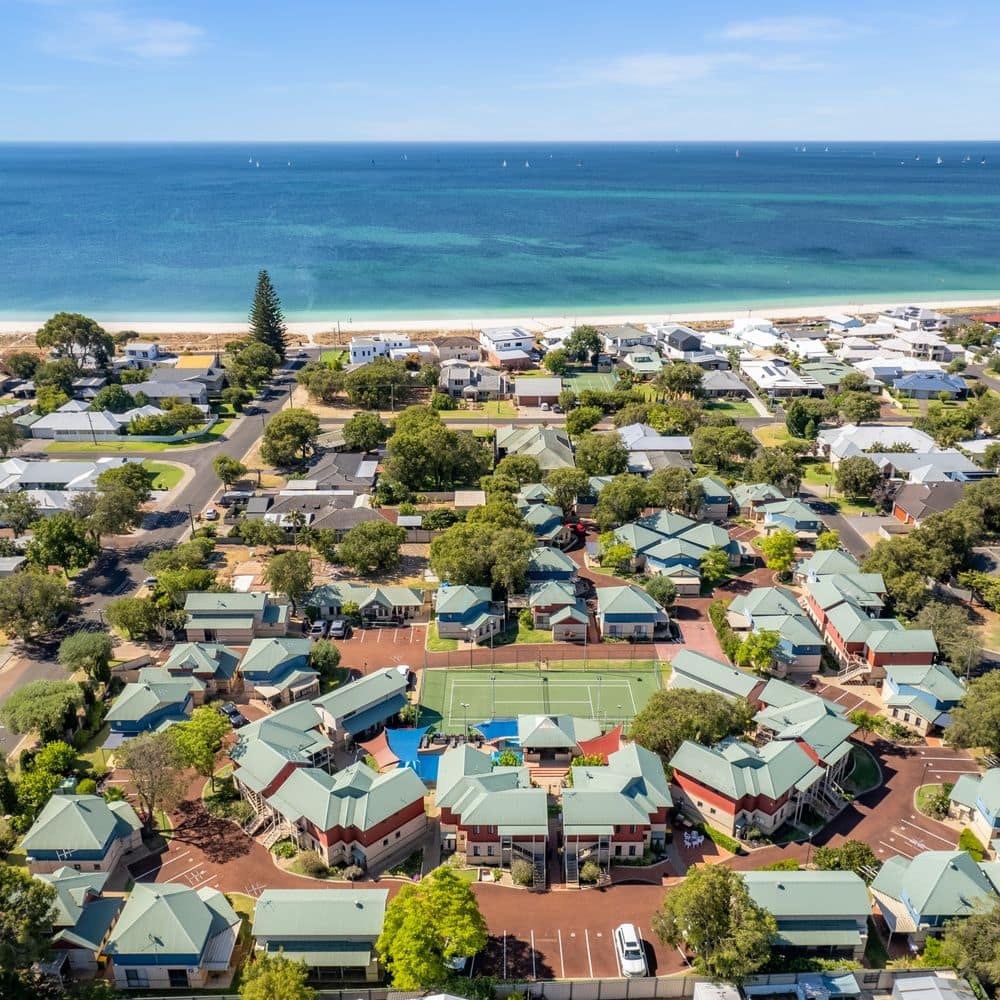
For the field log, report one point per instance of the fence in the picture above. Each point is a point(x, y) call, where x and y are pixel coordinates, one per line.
point(550, 656)
point(99, 437)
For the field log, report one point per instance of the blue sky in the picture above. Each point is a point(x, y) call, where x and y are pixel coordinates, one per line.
point(497, 69)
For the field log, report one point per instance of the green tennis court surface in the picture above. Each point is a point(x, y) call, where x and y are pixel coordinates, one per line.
point(578, 381)
point(450, 698)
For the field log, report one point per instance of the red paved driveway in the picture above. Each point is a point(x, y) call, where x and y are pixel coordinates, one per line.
point(370, 649)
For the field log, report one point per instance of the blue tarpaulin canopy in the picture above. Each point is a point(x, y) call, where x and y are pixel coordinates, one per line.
point(405, 744)
point(497, 729)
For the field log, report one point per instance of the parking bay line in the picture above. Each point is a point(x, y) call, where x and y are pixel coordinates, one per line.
point(590, 964)
point(562, 962)
point(534, 975)
point(929, 833)
point(161, 867)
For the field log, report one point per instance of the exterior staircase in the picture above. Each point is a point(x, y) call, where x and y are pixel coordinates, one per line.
point(854, 669)
point(276, 833)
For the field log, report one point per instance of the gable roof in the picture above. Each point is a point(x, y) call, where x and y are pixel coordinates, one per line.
point(972, 789)
point(460, 598)
point(827, 562)
point(547, 559)
point(332, 914)
point(809, 893)
point(267, 655)
point(79, 823)
point(934, 678)
point(381, 686)
point(699, 672)
point(140, 699)
point(939, 883)
point(210, 659)
point(555, 731)
point(747, 493)
point(920, 500)
point(627, 600)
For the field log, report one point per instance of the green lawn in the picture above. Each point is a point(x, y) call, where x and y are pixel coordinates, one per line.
point(923, 795)
point(772, 435)
point(147, 447)
point(821, 476)
point(437, 645)
point(865, 774)
point(332, 357)
point(522, 635)
point(499, 408)
point(165, 477)
point(732, 408)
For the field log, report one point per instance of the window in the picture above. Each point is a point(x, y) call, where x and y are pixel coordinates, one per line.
point(137, 979)
point(711, 809)
point(475, 850)
point(385, 842)
point(631, 850)
point(177, 977)
point(906, 717)
point(489, 851)
point(475, 829)
point(397, 835)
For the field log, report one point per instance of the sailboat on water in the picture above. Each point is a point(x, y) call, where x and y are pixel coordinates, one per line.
point(738, 154)
point(939, 161)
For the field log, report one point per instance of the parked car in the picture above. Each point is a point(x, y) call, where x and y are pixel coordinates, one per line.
point(238, 721)
point(556, 408)
point(545, 407)
point(211, 514)
point(631, 954)
point(340, 629)
point(229, 709)
point(150, 581)
point(319, 630)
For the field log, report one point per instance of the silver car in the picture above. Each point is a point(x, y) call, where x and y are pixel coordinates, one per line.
point(631, 954)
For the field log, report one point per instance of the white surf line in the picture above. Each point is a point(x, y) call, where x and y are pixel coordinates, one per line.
point(930, 833)
point(590, 964)
point(562, 961)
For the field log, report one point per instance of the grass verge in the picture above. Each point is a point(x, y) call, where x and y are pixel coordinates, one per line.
point(165, 476)
point(865, 773)
point(436, 644)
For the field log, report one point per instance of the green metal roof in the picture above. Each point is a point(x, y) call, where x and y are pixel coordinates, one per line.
point(309, 916)
point(259, 763)
point(575, 612)
point(93, 924)
point(169, 919)
point(827, 562)
point(819, 895)
point(747, 493)
point(706, 535)
point(909, 640)
point(938, 883)
point(702, 673)
point(206, 621)
point(457, 600)
point(137, 700)
point(666, 522)
point(637, 537)
point(820, 934)
point(628, 600)
point(356, 796)
point(265, 655)
point(373, 715)
point(198, 602)
point(972, 787)
point(320, 955)
point(551, 592)
point(714, 489)
point(72, 889)
point(79, 823)
point(366, 692)
point(934, 678)
point(546, 558)
point(766, 601)
point(205, 658)
point(553, 732)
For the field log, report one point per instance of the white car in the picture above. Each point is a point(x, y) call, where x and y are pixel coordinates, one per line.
point(631, 954)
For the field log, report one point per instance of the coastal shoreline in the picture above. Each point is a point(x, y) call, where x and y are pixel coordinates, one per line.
point(534, 324)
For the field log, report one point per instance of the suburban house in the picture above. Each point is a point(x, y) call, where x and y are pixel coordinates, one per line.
point(751, 497)
point(703, 673)
point(549, 446)
point(931, 385)
point(724, 384)
point(775, 609)
point(615, 812)
point(828, 562)
point(472, 381)
point(535, 391)
point(191, 391)
point(649, 450)
point(841, 322)
point(629, 612)
point(82, 832)
point(266, 752)
point(842, 442)
point(143, 706)
point(975, 799)
point(830, 372)
point(456, 349)
point(546, 521)
point(554, 740)
point(755, 332)
point(736, 786)
point(777, 379)
point(915, 501)
point(141, 355)
point(209, 668)
point(82, 921)
point(680, 343)
point(921, 696)
point(507, 347)
point(277, 671)
point(52, 485)
point(917, 896)
point(352, 710)
point(364, 350)
point(642, 361)
point(823, 913)
point(354, 817)
point(331, 931)
point(866, 591)
point(234, 619)
point(468, 613)
point(554, 605)
point(621, 338)
point(791, 515)
point(375, 603)
point(175, 937)
point(491, 815)
point(547, 563)
point(716, 499)
point(204, 368)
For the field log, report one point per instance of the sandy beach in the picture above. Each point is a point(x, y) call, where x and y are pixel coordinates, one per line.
point(535, 324)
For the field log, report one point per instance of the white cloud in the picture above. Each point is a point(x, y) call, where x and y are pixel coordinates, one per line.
point(654, 69)
point(105, 35)
point(791, 29)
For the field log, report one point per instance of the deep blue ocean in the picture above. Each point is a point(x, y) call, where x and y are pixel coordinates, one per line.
point(366, 230)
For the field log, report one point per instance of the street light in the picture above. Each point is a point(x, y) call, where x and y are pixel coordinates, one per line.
point(809, 847)
point(465, 716)
point(493, 696)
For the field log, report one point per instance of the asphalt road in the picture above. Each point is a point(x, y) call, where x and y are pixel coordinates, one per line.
point(849, 538)
point(119, 568)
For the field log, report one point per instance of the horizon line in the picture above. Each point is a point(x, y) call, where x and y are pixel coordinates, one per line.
point(478, 142)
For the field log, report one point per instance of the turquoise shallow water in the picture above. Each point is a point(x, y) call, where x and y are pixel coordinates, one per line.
point(365, 230)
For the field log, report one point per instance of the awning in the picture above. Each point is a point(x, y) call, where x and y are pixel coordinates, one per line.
point(379, 749)
point(603, 745)
point(115, 740)
point(497, 729)
point(374, 715)
point(325, 954)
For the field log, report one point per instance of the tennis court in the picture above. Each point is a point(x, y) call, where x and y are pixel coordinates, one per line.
point(450, 699)
point(578, 381)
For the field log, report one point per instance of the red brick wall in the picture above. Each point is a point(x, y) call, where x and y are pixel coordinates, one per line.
point(760, 803)
point(352, 835)
point(887, 659)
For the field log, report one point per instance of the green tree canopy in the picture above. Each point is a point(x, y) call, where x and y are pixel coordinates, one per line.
point(22, 364)
point(61, 540)
point(113, 398)
point(567, 486)
point(199, 739)
point(27, 909)
point(18, 511)
point(972, 945)
point(857, 407)
point(582, 418)
point(601, 454)
point(267, 322)
point(851, 856)
point(32, 603)
point(324, 658)
point(371, 546)
point(827, 540)
point(157, 774)
point(777, 466)
point(778, 550)
point(583, 344)
point(426, 925)
point(88, 651)
point(135, 617)
point(274, 977)
point(289, 438)
point(680, 379)
point(722, 447)
point(380, 385)
point(79, 338)
point(714, 566)
point(10, 435)
point(662, 589)
point(484, 555)
point(674, 715)
point(229, 470)
point(857, 476)
point(290, 573)
point(758, 649)
point(622, 500)
point(424, 453)
point(976, 722)
point(711, 915)
point(365, 431)
point(45, 706)
point(521, 468)
point(957, 640)
point(556, 361)
point(675, 489)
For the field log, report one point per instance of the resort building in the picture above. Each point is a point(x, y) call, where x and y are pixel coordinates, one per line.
point(208, 667)
point(751, 497)
point(554, 605)
point(82, 832)
point(615, 812)
point(375, 603)
point(917, 896)
point(628, 612)
point(363, 706)
point(145, 706)
point(354, 817)
point(546, 521)
point(921, 696)
point(82, 921)
point(975, 799)
point(775, 609)
point(170, 936)
point(792, 515)
point(554, 740)
point(468, 613)
point(716, 499)
point(547, 563)
point(549, 446)
point(492, 815)
point(818, 912)
point(332, 932)
point(233, 619)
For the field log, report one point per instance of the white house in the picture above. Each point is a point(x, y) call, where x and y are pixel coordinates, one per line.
point(621, 338)
point(758, 333)
point(141, 355)
point(842, 442)
point(841, 322)
point(777, 378)
point(508, 346)
point(366, 349)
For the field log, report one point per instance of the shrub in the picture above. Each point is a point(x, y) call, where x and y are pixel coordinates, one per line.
point(521, 872)
point(8, 837)
point(784, 865)
point(526, 619)
point(240, 811)
point(87, 787)
point(353, 872)
point(937, 803)
point(310, 863)
point(590, 872)
point(284, 849)
point(969, 843)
